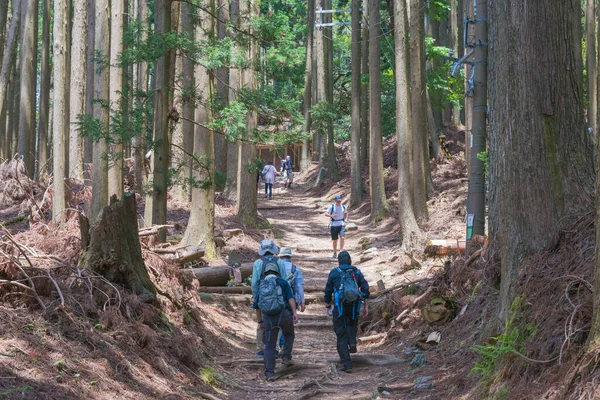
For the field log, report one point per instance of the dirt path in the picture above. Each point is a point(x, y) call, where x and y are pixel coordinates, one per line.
point(298, 222)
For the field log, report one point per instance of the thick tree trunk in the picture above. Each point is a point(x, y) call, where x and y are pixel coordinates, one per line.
point(8, 62)
point(308, 84)
point(45, 74)
point(59, 100)
point(453, 42)
point(420, 158)
point(234, 86)
point(160, 154)
point(179, 160)
point(100, 147)
point(364, 107)
point(379, 205)
point(541, 167)
point(114, 250)
point(139, 141)
point(89, 85)
point(78, 90)
point(115, 76)
point(590, 48)
point(27, 96)
point(222, 146)
point(328, 56)
point(187, 26)
point(356, 178)
point(321, 80)
point(201, 224)
point(409, 230)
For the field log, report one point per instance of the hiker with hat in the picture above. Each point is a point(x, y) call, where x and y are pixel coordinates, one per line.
point(338, 214)
point(294, 277)
point(268, 173)
point(276, 311)
point(288, 172)
point(267, 251)
point(345, 291)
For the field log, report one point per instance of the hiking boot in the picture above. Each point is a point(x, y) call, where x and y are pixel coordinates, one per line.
point(353, 348)
point(260, 353)
point(334, 255)
point(287, 361)
point(271, 378)
point(347, 369)
point(266, 195)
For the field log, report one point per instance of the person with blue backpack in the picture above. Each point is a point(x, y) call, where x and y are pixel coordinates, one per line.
point(338, 214)
point(294, 277)
point(345, 291)
point(267, 252)
point(276, 311)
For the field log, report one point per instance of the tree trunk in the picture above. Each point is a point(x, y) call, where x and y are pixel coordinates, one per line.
point(356, 178)
point(217, 276)
point(328, 57)
point(139, 140)
point(115, 76)
point(590, 47)
point(90, 75)
point(187, 26)
point(78, 90)
point(308, 84)
point(321, 80)
point(468, 12)
point(114, 250)
point(418, 108)
point(364, 108)
point(409, 230)
point(8, 61)
point(179, 160)
point(453, 39)
point(246, 195)
point(27, 96)
point(379, 205)
point(234, 87)
point(100, 147)
point(59, 100)
point(160, 155)
point(45, 75)
point(201, 224)
point(222, 81)
point(541, 158)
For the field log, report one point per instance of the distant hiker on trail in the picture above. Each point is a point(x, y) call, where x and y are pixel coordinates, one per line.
point(276, 311)
point(345, 289)
point(267, 252)
point(268, 174)
point(294, 277)
point(288, 172)
point(338, 214)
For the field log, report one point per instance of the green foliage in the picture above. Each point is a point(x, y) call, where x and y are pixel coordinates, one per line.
point(444, 89)
point(438, 9)
point(322, 114)
point(498, 353)
point(484, 156)
point(20, 389)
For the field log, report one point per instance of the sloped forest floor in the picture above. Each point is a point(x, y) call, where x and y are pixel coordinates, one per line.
point(79, 336)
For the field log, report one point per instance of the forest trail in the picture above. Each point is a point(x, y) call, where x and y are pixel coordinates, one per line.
point(298, 222)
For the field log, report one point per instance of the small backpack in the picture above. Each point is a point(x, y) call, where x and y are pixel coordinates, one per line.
point(332, 208)
point(270, 296)
point(291, 278)
point(348, 291)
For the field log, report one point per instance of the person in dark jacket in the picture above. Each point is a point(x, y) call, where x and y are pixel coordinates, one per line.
point(271, 324)
point(345, 324)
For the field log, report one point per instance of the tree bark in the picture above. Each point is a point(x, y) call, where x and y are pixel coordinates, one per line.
point(379, 205)
point(139, 140)
point(420, 160)
point(308, 84)
point(468, 12)
point(409, 230)
point(8, 61)
point(90, 75)
point(453, 39)
point(187, 26)
point(590, 46)
point(364, 108)
point(541, 157)
point(160, 154)
point(45, 75)
point(321, 80)
point(201, 224)
point(246, 194)
point(114, 250)
point(115, 76)
point(78, 90)
point(356, 178)
point(27, 95)
point(101, 90)
point(222, 146)
point(60, 98)
point(234, 87)
point(328, 56)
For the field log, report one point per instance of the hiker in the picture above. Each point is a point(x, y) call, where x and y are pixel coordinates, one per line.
point(294, 277)
point(338, 214)
point(268, 174)
point(288, 173)
point(276, 311)
point(345, 290)
point(267, 252)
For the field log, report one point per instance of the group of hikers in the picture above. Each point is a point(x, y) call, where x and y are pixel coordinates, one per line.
point(278, 291)
point(269, 172)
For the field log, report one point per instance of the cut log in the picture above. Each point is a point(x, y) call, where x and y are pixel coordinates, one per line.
point(445, 247)
point(373, 338)
point(190, 255)
point(217, 276)
point(114, 249)
point(228, 233)
point(380, 286)
point(152, 230)
point(246, 289)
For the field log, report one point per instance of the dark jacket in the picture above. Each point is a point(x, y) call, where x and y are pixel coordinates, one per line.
point(286, 291)
point(335, 277)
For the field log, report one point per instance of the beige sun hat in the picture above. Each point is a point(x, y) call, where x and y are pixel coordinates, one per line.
point(285, 252)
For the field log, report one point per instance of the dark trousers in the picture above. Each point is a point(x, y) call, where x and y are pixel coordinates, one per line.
point(271, 325)
point(346, 330)
point(269, 187)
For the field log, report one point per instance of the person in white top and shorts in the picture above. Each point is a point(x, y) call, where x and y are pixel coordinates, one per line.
point(338, 214)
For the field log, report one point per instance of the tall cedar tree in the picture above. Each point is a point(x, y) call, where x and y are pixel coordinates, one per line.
point(8, 61)
point(308, 84)
point(78, 89)
point(357, 189)
point(45, 75)
point(234, 86)
point(115, 76)
point(541, 155)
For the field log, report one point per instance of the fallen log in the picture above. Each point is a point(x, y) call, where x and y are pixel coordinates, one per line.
point(445, 247)
point(217, 276)
point(190, 255)
point(246, 289)
point(152, 230)
point(373, 338)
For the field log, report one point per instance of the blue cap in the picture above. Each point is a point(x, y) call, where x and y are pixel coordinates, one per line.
point(338, 198)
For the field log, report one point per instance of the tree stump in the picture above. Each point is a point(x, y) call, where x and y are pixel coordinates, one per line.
point(114, 249)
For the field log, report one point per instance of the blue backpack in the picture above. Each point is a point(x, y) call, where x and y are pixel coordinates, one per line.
point(347, 292)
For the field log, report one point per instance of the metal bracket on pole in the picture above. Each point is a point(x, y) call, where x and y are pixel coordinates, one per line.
point(319, 18)
point(463, 60)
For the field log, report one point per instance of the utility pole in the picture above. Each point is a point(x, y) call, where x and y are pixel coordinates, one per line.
point(477, 187)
